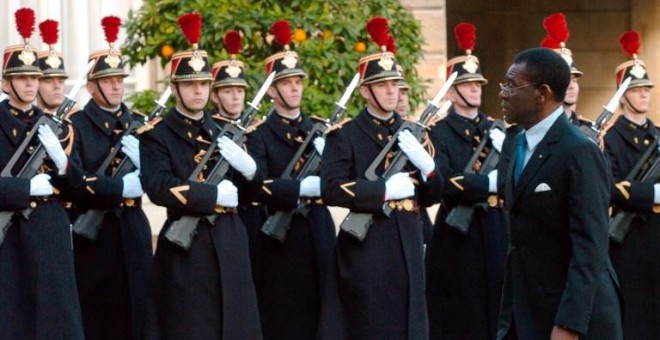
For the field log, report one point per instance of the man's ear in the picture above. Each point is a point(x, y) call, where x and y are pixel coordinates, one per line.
point(545, 93)
point(364, 92)
point(272, 92)
point(90, 87)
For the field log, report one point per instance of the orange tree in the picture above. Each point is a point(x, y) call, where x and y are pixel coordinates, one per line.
point(329, 37)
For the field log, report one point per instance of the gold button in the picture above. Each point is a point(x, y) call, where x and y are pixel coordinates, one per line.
point(408, 205)
point(129, 202)
point(467, 132)
point(646, 142)
point(288, 135)
point(106, 124)
point(636, 140)
point(189, 134)
point(380, 137)
point(33, 204)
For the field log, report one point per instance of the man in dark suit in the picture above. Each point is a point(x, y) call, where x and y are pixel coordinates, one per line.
point(112, 271)
point(636, 259)
point(559, 282)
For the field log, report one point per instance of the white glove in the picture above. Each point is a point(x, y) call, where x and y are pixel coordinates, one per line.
point(656, 193)
point(132, 186)
point(399, 186)
point(496, 139)
point(237, 157)
point(319, 144)
point(53, 148)
point(416, 153)
point(492, 181)
point(40, 185)
point(310, 186)
point(227, 194)
point(130, 146)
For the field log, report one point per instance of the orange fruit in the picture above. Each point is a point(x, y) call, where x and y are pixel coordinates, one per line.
point(299, 35)
point(360, 47)
point(327, 35)
point(166, 51)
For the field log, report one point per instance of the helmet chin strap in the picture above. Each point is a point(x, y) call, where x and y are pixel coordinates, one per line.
point(631, 105)
point(13, 89)
point(279, 94)
point(41, 98)
point(98, 86)
point(463, 98)
point(373, 95)
point(183, 102)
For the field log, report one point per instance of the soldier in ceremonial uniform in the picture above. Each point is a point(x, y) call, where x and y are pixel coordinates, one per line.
point(289, 274)
point(557, 29)
point(228, 97)
point(205, 292)
point(636, 260)
point(51, 83)
point(38, 298)
point(376, 287)
point(113, 271)
point(465, 271)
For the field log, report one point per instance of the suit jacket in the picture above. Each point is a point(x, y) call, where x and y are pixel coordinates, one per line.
point(558, 269)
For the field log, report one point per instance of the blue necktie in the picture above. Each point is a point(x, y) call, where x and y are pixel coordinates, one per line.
point(521, 148)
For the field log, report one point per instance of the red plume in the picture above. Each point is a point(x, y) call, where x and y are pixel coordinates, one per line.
point(233, 42)
point(111, 28)
point(466, 35)
point(25, 22)
point(191, 26)
point(282, 32)
point(391, 44)
point(556, 27)
point(378, 30)
point(630, 43)
point(48, 30)
point(550, 42)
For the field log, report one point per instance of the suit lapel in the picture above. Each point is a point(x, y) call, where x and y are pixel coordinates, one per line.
point(540, 155)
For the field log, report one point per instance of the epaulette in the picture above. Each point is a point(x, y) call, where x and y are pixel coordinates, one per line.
point(139, 113)
point(585, 120)
point(435, 120)
point(255, 124)
point(318, 119)
point(337, 126)
point(222, 118)
point(73, 111)
point(149, 126)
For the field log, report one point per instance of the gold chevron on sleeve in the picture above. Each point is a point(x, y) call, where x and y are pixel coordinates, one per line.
point(455, 180)
point(178, 193)
point(90, 190)
point(346, 189)
point(622, 187)
point(265, 186)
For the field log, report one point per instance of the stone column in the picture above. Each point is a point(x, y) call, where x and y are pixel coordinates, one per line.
point(432, 15)
point(645, 18)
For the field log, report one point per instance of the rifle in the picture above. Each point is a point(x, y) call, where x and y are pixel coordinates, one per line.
point(357, 224)
point(593, 130)
point(32, 150)
point(277, 225)
point(460, 217)
point(88, 224)
point(646, 170)
point(182, 231)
